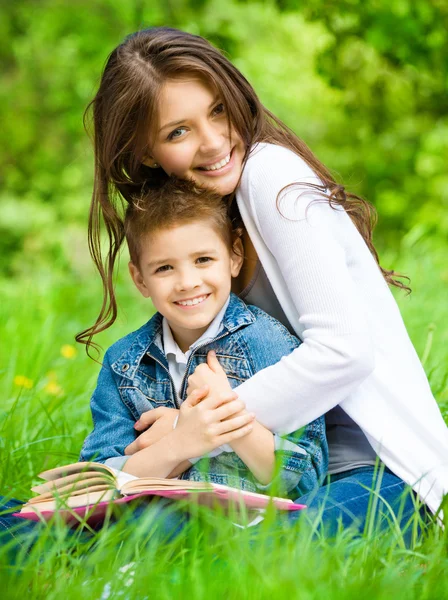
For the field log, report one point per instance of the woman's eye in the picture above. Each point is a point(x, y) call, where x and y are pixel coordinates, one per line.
point(163, 269)
point(176, 133)
point(219, 109)
point(203, 259)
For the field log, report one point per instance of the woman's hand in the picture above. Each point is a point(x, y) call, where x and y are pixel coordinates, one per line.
point(161, 421)
point(210, 374)
point(204, 425)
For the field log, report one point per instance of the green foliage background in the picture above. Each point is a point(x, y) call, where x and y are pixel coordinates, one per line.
point(363, 83)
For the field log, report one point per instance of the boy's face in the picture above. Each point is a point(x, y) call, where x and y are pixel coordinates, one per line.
point(187, 272)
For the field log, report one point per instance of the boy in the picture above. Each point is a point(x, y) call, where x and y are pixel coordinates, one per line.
point(184, 253)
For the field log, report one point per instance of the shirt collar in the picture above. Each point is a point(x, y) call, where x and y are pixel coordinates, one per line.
point(170, 346)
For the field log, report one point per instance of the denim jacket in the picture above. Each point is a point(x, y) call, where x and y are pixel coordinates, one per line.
point(135, 378)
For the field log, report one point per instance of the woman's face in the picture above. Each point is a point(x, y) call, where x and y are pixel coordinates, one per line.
point(192, 138)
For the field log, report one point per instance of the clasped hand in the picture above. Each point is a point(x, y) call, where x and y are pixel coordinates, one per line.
point(211, 415)
point(217, 420)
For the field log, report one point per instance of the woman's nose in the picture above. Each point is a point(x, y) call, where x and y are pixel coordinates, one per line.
point(213, 137)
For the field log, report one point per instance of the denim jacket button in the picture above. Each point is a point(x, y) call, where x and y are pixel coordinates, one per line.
point(125, 367)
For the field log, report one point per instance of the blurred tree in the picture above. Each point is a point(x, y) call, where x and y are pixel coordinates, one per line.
point(363, 83)
point(390, 61)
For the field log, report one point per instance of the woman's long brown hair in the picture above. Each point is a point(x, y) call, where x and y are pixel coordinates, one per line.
point(125, 114)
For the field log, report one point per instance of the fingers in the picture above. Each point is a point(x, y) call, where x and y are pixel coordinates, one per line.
point(229, 408)
point(216, 400)
point(143, 441)
point(146, 439)
point(233, 424)
point(132, 448)
point(236, 434)
point(213, 362)
point(199, 378)
point(202, 375)
point(197, 396)
point(148, 418)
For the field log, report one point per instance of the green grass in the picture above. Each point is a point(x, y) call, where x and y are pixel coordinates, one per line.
point(44, 417)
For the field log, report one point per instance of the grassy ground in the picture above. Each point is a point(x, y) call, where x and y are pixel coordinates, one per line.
point(44, 416)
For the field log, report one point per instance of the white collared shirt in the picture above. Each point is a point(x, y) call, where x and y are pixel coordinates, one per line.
point(178, 360)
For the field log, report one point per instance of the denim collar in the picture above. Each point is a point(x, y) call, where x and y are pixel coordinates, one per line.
point(236, 316)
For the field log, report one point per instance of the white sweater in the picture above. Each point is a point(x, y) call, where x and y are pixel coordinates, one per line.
point(355, 351)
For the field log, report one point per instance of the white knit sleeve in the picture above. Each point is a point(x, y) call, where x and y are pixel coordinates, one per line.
point(305, 240)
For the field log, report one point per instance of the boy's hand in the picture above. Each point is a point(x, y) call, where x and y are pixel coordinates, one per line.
point(207, 424)
point(161, 421)
point(210, 374)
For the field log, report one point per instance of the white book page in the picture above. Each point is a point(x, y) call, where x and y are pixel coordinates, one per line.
point(122, 477)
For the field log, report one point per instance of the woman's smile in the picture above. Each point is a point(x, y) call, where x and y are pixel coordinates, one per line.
point(194, 140)
point(218, 165)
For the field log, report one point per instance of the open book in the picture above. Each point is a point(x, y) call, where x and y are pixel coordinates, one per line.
point(87, 489)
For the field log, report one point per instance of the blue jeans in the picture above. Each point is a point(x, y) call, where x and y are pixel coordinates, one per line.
point(19, 535)
point(366, 499)
point(345, 501)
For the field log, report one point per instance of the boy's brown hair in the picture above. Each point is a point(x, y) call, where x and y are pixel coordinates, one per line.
point(177, 202)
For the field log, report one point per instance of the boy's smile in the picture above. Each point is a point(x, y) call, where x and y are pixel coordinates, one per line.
point(186, 271)
point(192, 302)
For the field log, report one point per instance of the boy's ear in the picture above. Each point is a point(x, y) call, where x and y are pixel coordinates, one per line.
point(236, 257)
point(138, 279)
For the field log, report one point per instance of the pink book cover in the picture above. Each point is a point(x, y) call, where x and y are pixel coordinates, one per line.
point(224, 496)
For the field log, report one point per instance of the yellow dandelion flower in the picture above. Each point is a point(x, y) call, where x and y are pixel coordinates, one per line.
point(53, 388)
point(68, 351)
point(24, 382)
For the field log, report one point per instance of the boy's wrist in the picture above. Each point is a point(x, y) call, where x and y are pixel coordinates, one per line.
point(173, 447)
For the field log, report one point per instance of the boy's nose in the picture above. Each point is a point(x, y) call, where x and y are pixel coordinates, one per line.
point(188, 280)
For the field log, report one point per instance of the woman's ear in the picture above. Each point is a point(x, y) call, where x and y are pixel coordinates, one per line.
point(137, 278)
point(236, 257)
point(150, 162)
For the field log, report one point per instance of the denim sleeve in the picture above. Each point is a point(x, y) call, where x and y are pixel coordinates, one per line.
point(113, 423)
point(302, 459)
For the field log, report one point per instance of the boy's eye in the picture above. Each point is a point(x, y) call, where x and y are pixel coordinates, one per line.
point(219, 109)
point(203, 259)
point(163, 268)
point(176, 133)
